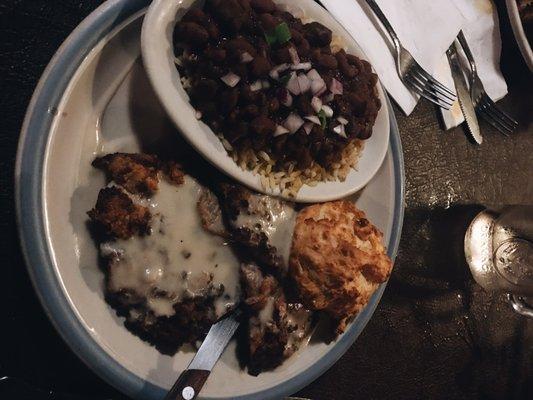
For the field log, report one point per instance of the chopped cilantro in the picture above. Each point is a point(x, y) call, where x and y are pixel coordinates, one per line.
point(323, 119)
point(280, 35)
point(271, 38)
point(283, 33)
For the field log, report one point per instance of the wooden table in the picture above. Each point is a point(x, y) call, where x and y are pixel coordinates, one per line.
point(435, 334)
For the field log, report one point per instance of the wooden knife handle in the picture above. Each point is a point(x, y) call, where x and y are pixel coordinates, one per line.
point(188, 385)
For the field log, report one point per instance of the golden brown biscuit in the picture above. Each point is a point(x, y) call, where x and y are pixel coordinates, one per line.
point(337, 259)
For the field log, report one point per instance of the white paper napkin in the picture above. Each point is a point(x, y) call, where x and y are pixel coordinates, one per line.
point(482, 31)
point(426, 29)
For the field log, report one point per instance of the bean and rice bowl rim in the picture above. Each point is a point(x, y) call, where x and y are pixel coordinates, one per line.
point(288, 180)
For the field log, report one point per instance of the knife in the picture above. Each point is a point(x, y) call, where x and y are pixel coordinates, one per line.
point(191, 381)
point(463, 94)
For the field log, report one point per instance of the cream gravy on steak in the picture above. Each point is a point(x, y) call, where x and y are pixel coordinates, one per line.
point(272, 217)
point(178, 260)
point(262, 223)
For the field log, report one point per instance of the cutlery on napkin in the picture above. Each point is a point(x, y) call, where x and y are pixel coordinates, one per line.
point(427, 29)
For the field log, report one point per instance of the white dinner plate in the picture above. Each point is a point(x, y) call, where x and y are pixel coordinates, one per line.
point(158, 54)
point(95, 97)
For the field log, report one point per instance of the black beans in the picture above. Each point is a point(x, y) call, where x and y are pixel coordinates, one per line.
point(282, 55)
point(269, 22)
point(193, 33)
point(303, 104)
point(216, 54)
point(250, 111)
point(236, 47)
point(212, 30)
point(195, 15)
point(317, 34)
point(260, 67)
point(228, 36)
point(230, 13)
point(263, 6)
point(358, 103)
point(228, 100)
point(304, 48)
point(349, 71)
point(263, 126)
point(205, 89)
point(326, 61)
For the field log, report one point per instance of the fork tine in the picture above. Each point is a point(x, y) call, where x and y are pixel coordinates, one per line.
point(430, 89)
point(434, 82)
point(499, 111)
point(418, 88)
point(491, 109)
point(424, 92)
point(496, 123)
point(415, 73)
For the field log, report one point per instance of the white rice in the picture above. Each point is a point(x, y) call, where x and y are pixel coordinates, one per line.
point(288, 179)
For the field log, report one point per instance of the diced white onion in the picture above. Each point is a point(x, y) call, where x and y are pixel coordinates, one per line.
point(293, 122)
point(304, 82)
point(339, 130)
point(294, 55)
point(314, 75)
point(316, 103)
point(308, 127)
point(328, 111)
point(257, 85)
point(318, 87)
point(342, 120)
point(246, 57)
point(313, 118)
point(280, 130)
point(305, 66)
point(293, 85)
point(274, 73)
point(198, 114)
point(231, 79)
point(335, 86)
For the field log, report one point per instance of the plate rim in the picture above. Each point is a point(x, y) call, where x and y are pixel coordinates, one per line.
point(29, 200)
point(152, 60)
point(519, 33)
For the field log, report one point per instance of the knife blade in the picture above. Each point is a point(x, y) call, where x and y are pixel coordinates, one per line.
point(463, 94)
point(191, 381)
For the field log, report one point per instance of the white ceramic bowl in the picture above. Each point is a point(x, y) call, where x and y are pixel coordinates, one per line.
point(158, 55)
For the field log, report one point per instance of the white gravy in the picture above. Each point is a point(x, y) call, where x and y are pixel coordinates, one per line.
point(179, 259)
point(274, 218)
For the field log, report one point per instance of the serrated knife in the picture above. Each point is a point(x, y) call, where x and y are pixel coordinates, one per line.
point(191, 381)
point(463, 94)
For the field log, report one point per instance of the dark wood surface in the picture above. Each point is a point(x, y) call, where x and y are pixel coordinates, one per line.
point(436, 334)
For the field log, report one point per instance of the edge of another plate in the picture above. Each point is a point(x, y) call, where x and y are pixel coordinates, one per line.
point(29, 200)
point(519, 34)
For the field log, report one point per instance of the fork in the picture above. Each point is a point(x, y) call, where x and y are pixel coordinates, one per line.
point(482, 102)
point(411, 73)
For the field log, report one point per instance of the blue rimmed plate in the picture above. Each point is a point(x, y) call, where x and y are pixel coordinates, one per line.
point(95, 97)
